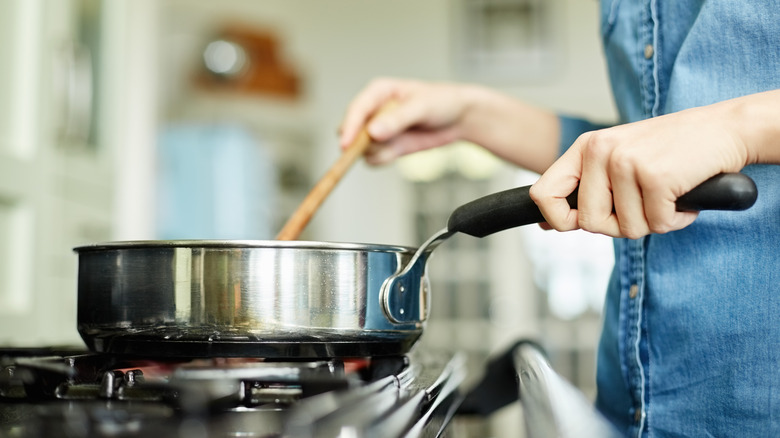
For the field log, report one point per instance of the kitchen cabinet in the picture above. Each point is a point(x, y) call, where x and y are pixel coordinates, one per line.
point(56, 182)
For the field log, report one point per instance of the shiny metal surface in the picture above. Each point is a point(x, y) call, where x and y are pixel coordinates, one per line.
point(394, 297)
point(552, 406)
point(239, 298)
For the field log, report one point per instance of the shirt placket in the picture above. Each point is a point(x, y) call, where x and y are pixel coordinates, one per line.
point(647, 58)
point(635, 289)
point(634, 340)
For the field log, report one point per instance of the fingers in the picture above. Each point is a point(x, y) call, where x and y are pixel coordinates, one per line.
point(545, 226)
point(408, 113)
point(621, 192)
point(365, 104)
point(550, 191)
point(408, 142)
point(629, 205)
point(595, 203)
point(422, 115)
point(661, 214)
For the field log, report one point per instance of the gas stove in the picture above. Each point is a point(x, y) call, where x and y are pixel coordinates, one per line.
point(74, 393)
point(53, 392)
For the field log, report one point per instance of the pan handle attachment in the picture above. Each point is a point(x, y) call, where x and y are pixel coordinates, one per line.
point(513, 208)
point(396, 301)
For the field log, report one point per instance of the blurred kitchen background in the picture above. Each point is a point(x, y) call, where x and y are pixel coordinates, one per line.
point(169, 119)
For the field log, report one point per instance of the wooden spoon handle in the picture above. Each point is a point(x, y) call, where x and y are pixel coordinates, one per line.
point(298, 221)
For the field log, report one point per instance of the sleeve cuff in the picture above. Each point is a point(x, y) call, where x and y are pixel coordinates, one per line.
point(573, 127)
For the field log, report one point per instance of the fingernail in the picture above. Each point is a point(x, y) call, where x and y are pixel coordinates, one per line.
point(377, 129)
point(383, 155)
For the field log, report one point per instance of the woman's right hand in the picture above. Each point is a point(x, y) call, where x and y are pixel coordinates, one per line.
point(431, 114)
point(426, 115)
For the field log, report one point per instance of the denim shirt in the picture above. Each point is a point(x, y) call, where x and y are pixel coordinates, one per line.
point(691, 337)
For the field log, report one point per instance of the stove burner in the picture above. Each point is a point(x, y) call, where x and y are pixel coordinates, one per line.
point(82, 394)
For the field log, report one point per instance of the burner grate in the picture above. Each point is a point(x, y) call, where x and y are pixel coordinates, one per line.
point(97, 395)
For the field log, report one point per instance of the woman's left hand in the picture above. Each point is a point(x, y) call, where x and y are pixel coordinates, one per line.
point(630, 176)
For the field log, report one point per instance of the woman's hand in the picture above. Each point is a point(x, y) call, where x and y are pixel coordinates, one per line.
point(431, 114)
point(630, 176)
point(427, 115)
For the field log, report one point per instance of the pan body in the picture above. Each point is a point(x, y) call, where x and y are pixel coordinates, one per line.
point(244, 298)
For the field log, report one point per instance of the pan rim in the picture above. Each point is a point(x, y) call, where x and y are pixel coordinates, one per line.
point(241, 244)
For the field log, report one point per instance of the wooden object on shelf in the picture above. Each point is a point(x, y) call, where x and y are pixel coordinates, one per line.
point(261, 69)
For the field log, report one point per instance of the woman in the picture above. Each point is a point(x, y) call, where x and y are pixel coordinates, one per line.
point(691, 337)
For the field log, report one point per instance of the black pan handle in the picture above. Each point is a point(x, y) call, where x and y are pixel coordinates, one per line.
point(513, 208)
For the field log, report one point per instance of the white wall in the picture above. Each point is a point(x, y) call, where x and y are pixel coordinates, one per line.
point(131, 93)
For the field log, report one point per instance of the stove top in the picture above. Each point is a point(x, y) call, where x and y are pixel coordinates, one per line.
point(57, 392)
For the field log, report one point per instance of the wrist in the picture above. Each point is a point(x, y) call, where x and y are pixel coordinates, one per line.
point(476, 111)
point(756, 121)
point(509, 128)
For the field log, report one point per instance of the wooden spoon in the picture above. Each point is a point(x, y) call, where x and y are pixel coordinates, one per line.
point(298, 221)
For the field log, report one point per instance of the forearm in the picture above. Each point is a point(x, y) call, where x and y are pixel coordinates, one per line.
point(519, 133)
point(756, 121)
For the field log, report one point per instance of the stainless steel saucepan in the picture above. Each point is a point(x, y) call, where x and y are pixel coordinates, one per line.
point(291, 299)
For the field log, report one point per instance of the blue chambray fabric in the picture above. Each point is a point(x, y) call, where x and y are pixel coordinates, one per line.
point(691, 338)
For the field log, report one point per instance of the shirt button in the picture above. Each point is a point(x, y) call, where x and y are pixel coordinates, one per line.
point(633, 291)
point(637, 415)
point(649, 51)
